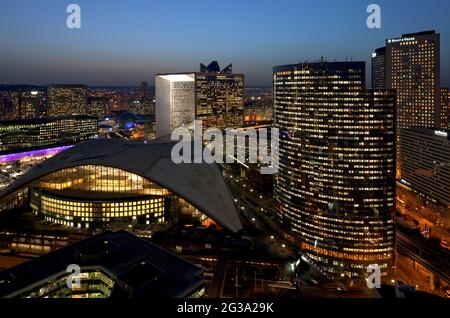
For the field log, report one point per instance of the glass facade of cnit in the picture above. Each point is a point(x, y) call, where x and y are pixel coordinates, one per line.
point(335, 186)
point(90, 196)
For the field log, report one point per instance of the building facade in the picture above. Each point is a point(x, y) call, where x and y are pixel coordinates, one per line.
point(39, 133)
point(63, 100)
point(98, 107)
point(212, 95)
point(413, 70)
point(31, 105)
point(445, 110)
point(379, 68)
point(426, 163)
point(335, 185)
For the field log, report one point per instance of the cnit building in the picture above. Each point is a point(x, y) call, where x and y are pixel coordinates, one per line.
point(104, 181)
point(335, 187)
point(213, 95)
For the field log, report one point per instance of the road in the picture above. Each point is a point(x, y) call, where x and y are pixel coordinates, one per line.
point(434, 260)
point(436, 231)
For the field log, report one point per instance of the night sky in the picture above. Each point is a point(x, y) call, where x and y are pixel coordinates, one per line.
point(127, 42)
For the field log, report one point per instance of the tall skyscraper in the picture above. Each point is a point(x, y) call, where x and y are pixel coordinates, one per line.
point(144, 92)
point(379, 68)
point(97, 106)
point(30, 104)
point(335, 186)
point(65, 100)
point(445, 111)
point(144, 105)
point(412, 69)
point(212, 95)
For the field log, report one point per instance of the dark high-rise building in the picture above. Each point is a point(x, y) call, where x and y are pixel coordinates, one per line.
point(445, 110)
point(212, 95)
point(38, 133)
point(144, 92)
point(379, 68)
point(335, 187)
point(65, 100)
point(30, 105)
point(98, 106)
point(141, 107)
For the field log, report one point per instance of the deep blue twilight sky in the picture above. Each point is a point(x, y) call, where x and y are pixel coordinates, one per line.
point(126, 42)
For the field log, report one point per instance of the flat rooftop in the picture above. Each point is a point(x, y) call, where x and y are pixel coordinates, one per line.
point(138, 268)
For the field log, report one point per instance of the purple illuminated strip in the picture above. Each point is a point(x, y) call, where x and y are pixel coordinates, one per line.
point(33, 153)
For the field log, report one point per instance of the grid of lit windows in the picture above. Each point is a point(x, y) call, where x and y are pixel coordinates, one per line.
point(45, 132)
point(92, 284)
point(335, 184)
point(413, 70)
point(99, 178)
point(219, 99)
point(425, 155)
point(82, 212)
point(66, 99)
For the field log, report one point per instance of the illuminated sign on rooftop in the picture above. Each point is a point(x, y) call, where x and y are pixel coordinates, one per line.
point(441, 133)
point(400, 40)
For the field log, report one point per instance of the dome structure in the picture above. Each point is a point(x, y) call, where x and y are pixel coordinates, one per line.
point(199, 184)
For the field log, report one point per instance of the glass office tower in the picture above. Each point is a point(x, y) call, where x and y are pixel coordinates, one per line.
point(212, 95)
point(65, 100)
point(335, 186)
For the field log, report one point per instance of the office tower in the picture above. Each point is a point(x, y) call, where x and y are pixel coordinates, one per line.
point(335, 186)
point(16, 101)
point(141, 107)
point(413, 70)
point(379, 68)
point(97, 106)
point(144, 92)
point(7, 111)
point(115, 265)
point(426, 163)
point(39, 133)
point(445, 113)
point(212, 95)
point(144, 105)
point(30, 105)
point(65, 100)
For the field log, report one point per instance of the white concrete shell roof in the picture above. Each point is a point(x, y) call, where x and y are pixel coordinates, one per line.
point(200, 184)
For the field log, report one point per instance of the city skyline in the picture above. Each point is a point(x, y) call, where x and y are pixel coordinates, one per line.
point(123, 44)
point(251, 150)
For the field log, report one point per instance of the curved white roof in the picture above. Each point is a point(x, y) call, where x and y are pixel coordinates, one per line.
point(201, 184)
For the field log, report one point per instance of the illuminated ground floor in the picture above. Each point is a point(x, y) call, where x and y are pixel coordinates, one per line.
point(92, 196)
